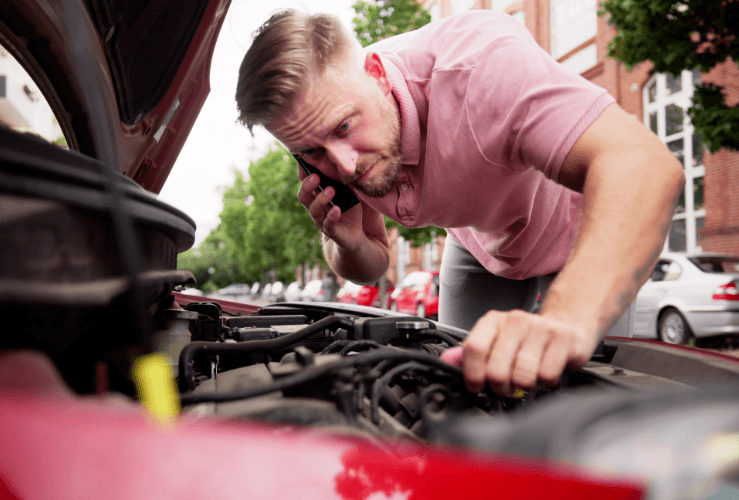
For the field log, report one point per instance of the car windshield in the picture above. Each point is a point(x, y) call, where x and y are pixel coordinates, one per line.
point(716, 264)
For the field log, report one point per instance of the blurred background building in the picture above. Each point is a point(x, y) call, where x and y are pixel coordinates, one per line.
point(22, 107)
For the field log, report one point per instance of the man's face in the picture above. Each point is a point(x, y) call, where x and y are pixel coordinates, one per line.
point(344, 125)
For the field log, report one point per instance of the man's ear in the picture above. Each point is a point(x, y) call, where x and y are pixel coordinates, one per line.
point(374, 67)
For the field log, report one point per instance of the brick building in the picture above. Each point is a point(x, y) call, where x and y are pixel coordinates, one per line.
point(707, 217)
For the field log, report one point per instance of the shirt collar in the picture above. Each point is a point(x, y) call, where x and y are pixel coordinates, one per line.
point(410, 128)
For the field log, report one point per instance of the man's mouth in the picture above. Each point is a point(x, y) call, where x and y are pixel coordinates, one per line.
point(363, 176)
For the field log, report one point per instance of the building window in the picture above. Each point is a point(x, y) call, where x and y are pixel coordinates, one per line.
point(459, 6)
point(520, 17)
point(666, 100)
point(572, 22)
point(433, 8)
point(582, 60)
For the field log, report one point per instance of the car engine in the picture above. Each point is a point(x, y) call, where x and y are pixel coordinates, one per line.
point(330, 366)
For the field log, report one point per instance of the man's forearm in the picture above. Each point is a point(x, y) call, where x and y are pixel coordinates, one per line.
point(629, 199)
point(365, 265)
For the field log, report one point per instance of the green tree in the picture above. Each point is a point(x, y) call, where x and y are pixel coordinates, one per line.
point(212, 263)
point(678, 35)
point(376, 20)
point(266, 227)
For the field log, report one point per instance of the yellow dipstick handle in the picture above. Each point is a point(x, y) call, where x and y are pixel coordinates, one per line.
point(155, 384)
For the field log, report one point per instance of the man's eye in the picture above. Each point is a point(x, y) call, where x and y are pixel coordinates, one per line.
point(313, 153)
point(344, 127)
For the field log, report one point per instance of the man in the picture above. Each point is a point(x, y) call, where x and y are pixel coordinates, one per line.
point(440, 126)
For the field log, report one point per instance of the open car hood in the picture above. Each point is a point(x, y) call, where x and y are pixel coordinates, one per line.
point(126, 79)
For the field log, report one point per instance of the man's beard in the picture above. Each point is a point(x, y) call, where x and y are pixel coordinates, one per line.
point(379, 187)
point(385, 183)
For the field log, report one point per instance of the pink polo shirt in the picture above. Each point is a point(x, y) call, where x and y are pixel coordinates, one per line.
point(481, 104)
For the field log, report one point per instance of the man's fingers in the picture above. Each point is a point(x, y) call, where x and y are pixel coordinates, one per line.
point(527, 365)
point(512, 332)
point(306, 193)
point(477, 347)
point(554, 360)
point(320, 206)
point(453, 355)
point(329, 223)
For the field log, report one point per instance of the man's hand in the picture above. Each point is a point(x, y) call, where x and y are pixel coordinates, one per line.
point(515, 349)
point(355, 245)
point(344, 229)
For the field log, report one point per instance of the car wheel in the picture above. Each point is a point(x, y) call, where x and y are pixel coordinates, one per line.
point(394, 306)
point(672, 327)
point(420, 310)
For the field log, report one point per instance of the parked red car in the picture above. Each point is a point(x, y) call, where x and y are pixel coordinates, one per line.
point(348, 293)
point(418, 295)
point(363, 295)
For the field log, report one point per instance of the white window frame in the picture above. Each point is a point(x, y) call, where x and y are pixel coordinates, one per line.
point(433, 8)
point(684, 99)
point(459, 6)
point(564, 23)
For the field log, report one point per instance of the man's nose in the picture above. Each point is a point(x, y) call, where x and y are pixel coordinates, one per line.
point(344, 158)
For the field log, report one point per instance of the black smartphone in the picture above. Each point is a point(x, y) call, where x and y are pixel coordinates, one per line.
point(344, 197)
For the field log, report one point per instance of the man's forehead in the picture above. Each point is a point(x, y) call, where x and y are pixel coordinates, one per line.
point(314, 111)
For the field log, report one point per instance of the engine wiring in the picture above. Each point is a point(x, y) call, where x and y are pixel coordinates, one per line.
point(312, 373)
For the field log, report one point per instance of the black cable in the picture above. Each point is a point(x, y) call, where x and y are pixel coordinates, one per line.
point(385, 380)
point(335, 347)
point(425, 398)
point(187, 355)
point(309, 374)
point(441, 336)
point(359, 345)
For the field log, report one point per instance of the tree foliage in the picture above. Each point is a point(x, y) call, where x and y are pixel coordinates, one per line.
point(266, 227)
point(376, 20)
point(212, 263)
point(682, 35)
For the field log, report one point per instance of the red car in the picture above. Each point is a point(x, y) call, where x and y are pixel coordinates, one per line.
point(291, 400)
point(363, 295)
point(418, 295)
point(348, 293)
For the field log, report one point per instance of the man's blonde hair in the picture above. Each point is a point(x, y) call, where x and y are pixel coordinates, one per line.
point(285, 50)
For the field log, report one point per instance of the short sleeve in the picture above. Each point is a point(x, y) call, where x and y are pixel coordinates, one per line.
point(525, 109)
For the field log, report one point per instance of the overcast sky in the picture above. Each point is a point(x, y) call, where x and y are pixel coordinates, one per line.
point(217, 143)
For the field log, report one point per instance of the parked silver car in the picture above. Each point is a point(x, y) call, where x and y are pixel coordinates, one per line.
point(235, 291)
point(292, 292)
point(317, 291)
point(689, 296)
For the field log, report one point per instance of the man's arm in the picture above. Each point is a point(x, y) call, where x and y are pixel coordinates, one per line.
point(355, 243)
point(631, 183)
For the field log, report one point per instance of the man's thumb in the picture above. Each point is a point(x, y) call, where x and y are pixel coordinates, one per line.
point(453, 355)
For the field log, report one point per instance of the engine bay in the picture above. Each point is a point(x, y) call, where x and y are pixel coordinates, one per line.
point(310, 365)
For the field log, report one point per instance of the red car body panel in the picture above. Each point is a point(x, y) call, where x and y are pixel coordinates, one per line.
point(370, 296)
point(407, 299)
point(85, 449)
point(367, 295)
point(191, 86)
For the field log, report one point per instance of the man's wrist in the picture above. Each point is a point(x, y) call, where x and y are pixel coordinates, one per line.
point(582, 315)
